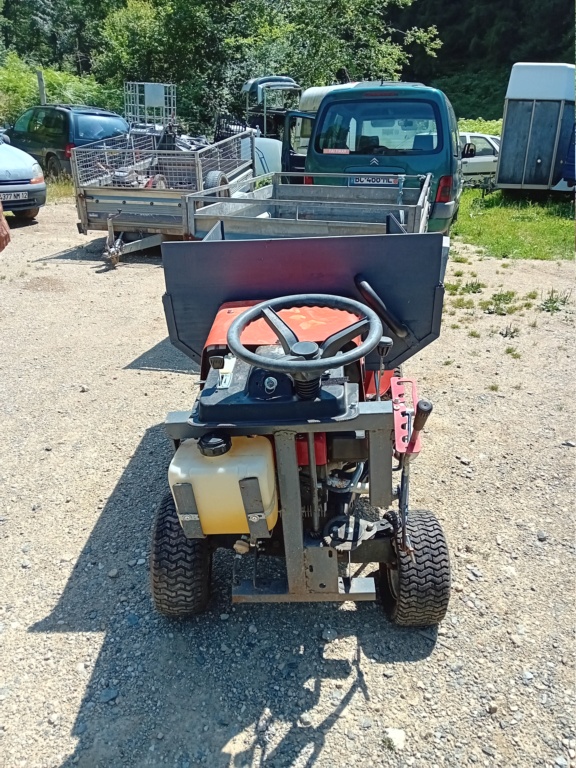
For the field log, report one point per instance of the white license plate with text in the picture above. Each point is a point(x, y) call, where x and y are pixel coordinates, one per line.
point(13, 196)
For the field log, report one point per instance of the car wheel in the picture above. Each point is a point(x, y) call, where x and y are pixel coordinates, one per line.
point(30, 213)
point(53, 167)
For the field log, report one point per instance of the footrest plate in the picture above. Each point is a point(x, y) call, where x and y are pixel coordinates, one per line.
point(276, 591)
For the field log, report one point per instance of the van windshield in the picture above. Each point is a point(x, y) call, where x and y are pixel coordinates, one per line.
point(379, 127)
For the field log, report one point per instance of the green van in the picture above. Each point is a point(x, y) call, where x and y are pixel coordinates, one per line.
point(372, 129)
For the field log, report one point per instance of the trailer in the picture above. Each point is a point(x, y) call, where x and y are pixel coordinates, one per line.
point(537, 127)
point(274, 206)
point(134, 186)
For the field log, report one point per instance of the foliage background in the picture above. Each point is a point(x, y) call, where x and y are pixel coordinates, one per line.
point(209, 47)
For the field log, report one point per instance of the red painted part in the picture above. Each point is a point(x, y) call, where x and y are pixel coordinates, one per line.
point(319, 447)
point(308, 323)
point(402, 442)
point(370, 383)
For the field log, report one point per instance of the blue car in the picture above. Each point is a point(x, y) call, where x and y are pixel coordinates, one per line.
point(22, 185)
point(50, 132)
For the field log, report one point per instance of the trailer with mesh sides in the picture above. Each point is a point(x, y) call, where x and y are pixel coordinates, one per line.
point(134, 186)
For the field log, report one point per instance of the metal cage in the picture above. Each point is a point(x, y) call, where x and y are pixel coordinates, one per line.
point(150, 103)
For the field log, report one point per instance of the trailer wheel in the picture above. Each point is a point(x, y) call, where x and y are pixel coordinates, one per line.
point(216, 179)
point(416, 592)
point(180, 567)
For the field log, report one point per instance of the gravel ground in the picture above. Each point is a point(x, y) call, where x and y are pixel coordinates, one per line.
point(91, 676)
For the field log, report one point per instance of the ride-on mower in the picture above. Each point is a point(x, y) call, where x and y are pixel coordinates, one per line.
point(302, 410)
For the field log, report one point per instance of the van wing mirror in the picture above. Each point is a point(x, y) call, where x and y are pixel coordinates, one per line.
point(468, 150)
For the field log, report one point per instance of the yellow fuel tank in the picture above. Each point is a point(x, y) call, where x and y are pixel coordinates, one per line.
point(215, 482)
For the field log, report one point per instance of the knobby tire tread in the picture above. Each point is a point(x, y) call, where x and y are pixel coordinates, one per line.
point(180, 567)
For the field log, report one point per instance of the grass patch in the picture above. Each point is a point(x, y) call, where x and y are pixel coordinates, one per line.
point(493, 387)
point(473, 286)
point(474, 334)
point(452, 288)
point(500, 304)
point(516, 229)
point(458, 273)
point(460, 259)
point(61, 188)
point(513, 352)
point(461, 303)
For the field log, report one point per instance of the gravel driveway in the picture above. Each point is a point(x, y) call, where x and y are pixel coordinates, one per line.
point(91, 676)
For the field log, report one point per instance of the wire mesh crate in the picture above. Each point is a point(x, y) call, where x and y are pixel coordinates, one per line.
point(150, 103)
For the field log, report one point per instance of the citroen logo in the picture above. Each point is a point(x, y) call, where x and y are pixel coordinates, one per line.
point(374, 161)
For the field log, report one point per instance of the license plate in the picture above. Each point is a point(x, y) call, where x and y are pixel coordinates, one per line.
point(13, 195)
point(373, 180)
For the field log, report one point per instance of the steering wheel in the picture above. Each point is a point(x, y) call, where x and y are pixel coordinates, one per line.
point(307, 360)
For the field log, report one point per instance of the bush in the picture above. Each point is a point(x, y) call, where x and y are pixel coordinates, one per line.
point(491, 127)
point(19, 89)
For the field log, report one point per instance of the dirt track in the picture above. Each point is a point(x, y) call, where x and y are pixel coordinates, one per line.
point(91, 676)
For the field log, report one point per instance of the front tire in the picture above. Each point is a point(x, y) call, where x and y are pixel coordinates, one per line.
point(180, 567)
point(416, 593)
point(29, 213)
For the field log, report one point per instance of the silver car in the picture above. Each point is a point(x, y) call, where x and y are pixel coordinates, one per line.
point(22, 185)
point(485, 160)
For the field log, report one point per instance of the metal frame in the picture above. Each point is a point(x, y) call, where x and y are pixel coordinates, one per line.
point(150, 103)
point(309, 565)
point(272, 207)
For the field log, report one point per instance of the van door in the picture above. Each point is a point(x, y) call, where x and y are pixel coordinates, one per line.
point(297, 131)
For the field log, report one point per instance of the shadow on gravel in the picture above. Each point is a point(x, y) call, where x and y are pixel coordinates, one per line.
point(17, 223)
point(164, 357)
point(235, 687)
point(93, 251)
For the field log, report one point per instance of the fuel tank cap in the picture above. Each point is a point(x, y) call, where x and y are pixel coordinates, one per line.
point(214, 444)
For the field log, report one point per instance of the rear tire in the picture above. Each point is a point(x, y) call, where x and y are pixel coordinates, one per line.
point(416, 594)
point(180, 567)
point(29, 213)
point(53, 167)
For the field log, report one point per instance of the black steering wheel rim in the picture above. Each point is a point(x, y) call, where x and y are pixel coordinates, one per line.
point(316, 366)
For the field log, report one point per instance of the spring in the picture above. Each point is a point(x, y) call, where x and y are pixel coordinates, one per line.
point(307, 390)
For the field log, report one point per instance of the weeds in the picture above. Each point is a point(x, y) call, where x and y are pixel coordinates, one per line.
point(513, 352)
point(60, 188)
point(461, 303)
point(493, 387)
point(459, 273)
point(510, 332)
point(454, 326)
point(447, 362)
point(554, 301)
point(452, 288)
point(500, 303)
point(474, 334)
point(473, 286)
point(531, 295)
point(460, 259)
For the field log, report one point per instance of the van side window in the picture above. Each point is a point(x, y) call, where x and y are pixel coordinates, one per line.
point(454, 134)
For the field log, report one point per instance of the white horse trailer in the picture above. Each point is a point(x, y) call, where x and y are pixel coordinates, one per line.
point(537, 127)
